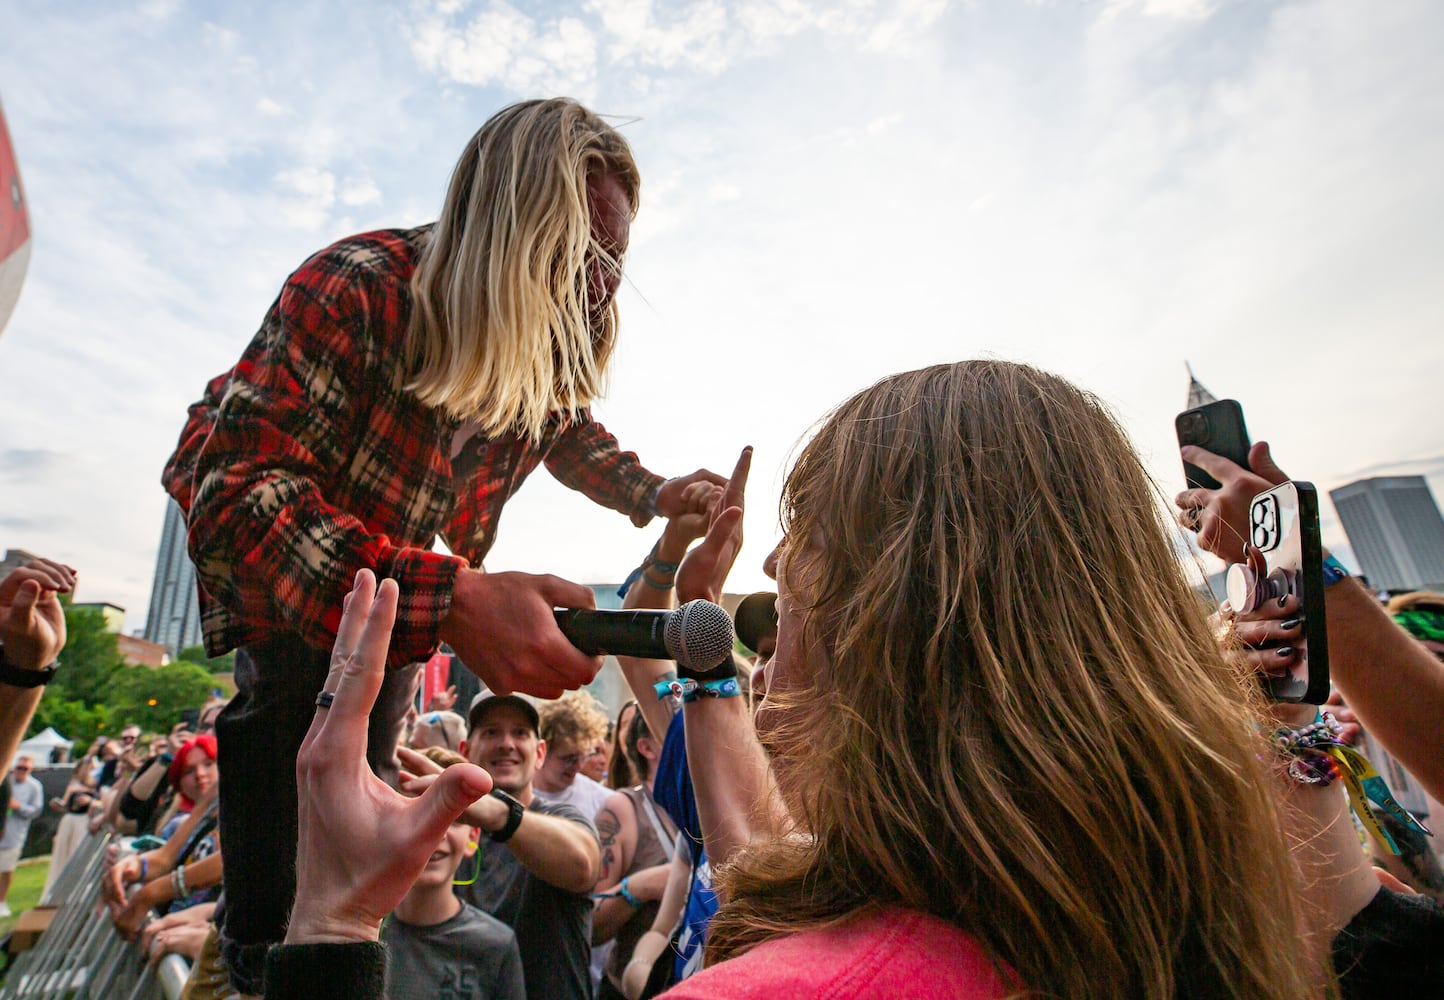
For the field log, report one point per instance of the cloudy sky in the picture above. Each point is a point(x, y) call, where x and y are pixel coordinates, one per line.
point(832, 191)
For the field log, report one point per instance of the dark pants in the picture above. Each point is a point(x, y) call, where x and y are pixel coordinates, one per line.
point(259, 735)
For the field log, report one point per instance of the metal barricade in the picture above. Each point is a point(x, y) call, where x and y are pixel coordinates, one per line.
point(80, 956)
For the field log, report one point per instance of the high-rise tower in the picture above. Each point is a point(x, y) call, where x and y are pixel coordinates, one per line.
point(174, 619)
point(1395, 529)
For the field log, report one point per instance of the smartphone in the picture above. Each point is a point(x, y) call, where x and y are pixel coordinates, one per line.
point(1286, 558)
point(190, 718)
point(1217, 427)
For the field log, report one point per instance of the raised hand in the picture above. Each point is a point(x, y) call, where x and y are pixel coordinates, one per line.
point(1220, 517)
point(362, 843)
point(672, 497)
point(32, 622)
point(704, 571)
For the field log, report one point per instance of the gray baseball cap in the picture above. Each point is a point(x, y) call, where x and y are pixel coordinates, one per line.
point(485, 699)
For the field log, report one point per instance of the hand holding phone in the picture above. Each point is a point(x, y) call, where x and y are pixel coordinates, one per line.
point(1217, 427)
point(1278, 594)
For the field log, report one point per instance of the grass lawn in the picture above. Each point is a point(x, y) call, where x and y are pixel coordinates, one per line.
point(25, 890)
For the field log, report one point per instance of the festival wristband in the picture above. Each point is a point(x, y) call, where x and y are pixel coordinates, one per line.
point(1334, 571)
point(724, 688)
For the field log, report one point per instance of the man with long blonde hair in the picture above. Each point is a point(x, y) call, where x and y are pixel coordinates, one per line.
point(401, 388)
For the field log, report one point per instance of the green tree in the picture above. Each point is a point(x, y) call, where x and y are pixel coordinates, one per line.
point(90, 661)
point(223, 664)
point(72, 719)
point(155, 698)
point(75, 702)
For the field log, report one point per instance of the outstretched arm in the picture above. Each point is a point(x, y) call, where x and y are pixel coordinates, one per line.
point(557, 850)
point(736, 799)
point(32, 633)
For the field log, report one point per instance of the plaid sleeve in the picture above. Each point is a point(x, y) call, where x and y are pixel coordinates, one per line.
point(179, 475)
point(266, 542)
point(587, 458)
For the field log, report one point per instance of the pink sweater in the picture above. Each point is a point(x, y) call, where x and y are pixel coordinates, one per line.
point(884, 955)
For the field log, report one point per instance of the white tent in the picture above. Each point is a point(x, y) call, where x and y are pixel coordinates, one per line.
point(40, 746)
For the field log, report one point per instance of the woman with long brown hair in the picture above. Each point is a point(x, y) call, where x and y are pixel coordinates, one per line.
point(996, 703)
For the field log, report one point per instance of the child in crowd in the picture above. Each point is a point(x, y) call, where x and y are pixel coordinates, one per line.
point(440, 948)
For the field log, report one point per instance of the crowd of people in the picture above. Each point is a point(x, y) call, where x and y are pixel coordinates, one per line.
point(988, 741)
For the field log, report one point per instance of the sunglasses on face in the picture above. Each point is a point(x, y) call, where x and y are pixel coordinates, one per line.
point(434, 719)
point(577, 759)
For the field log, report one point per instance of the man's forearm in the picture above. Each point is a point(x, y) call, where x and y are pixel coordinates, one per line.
point(17, 707)
point(558, 851)
point(1392, 682)
point(587, 458)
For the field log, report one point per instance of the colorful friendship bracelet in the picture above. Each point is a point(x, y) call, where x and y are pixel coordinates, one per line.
point(1320, 759)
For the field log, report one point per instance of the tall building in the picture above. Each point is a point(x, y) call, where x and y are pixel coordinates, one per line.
point(1198, 394)
point(1395, 529)
point(174, 618)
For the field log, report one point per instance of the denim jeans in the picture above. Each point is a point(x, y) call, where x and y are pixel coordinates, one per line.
point(259, 735)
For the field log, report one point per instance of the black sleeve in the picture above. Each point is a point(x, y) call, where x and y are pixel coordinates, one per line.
point(1393, 948)
point(326, 971)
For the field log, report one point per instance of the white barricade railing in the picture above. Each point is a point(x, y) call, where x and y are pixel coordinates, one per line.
point(80, 956)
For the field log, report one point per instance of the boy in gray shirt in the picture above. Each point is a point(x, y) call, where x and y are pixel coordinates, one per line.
point(440, 948)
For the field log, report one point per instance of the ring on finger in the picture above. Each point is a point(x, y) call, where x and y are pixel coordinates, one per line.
point(325, 698)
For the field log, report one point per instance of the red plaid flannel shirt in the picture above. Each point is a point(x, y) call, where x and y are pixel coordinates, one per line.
point(308, 461)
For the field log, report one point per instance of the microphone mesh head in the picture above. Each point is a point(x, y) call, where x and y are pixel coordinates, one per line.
point(699, 635)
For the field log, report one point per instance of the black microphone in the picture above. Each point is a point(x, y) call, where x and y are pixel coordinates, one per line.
point(697, 635)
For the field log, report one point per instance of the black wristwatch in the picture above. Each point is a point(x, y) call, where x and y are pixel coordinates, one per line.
point(22, 678)
point(515, 811)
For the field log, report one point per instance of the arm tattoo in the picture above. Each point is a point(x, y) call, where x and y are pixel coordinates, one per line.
point(608, 826)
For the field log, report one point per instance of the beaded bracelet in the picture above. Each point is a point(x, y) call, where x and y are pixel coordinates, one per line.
point(178, 882)
point(1323, 731)
point(1312, 764)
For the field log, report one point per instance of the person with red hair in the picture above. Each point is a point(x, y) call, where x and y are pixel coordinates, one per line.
point(186, 871)
point(192, 775)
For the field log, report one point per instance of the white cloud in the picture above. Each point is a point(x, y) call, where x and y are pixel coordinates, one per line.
point(360, 191)
point(1183, 10)
point(502, 45)
point(633, 41)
